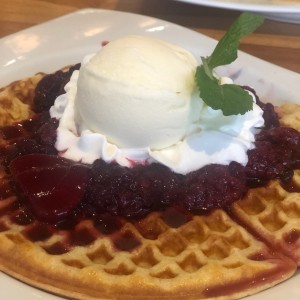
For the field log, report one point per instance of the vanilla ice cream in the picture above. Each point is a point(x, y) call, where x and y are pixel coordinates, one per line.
point(135, 101)
point(138, 92)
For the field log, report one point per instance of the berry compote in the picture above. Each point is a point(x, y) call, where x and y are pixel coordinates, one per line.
point(62, 192)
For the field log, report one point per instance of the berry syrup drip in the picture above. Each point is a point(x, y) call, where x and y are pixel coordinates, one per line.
point(61, 193)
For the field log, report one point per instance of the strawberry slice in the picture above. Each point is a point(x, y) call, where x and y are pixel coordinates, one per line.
point(52, 186)
point(37, 161)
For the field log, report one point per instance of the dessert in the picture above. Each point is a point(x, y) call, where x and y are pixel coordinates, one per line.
point(81, 248)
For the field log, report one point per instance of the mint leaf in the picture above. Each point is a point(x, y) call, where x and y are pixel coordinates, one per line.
point(230, 98)
point(226, 49)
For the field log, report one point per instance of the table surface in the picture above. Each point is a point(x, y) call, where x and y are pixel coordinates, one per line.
point(276, 42)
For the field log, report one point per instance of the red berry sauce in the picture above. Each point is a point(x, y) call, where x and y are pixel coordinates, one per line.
point(61, 192)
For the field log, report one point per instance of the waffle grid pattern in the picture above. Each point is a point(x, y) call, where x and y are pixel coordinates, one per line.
point(275, 215)
point(173, 250)
point(212, 248)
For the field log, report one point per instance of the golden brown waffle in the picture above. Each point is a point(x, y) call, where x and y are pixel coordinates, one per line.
point(16, 99)
point(272, 212)
point(290, 115)
point(274, 215)
point(206, 257)
point(168, 255)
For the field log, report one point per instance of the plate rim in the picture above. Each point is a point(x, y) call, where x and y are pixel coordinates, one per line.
point(238, 5)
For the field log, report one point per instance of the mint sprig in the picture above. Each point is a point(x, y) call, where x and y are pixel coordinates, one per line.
point(230, 98)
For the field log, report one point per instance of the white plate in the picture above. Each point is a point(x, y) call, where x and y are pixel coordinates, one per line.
point(280, 10)
point(52, 45)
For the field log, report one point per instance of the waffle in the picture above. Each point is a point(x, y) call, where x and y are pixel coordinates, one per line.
point(289, 115)
point(166, 255)
point(274, 215)
point(272, 212)
point(16, 100)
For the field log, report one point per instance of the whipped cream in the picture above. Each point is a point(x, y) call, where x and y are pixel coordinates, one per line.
point(205, 136)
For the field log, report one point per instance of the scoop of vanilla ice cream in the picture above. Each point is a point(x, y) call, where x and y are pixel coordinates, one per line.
point(139, 92)
point(135, 101)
